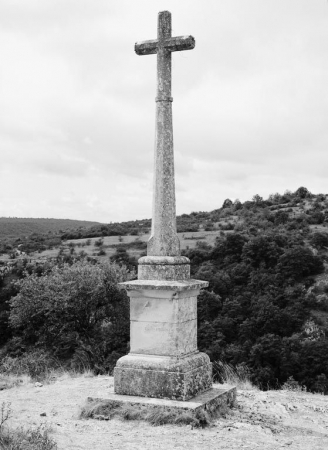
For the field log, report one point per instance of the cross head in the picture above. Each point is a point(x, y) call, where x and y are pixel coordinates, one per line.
point(164, 45)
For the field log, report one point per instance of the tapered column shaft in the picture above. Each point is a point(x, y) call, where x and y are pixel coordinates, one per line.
point(164, 240)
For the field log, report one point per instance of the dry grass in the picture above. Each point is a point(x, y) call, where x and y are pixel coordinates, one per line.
point(36, 366)
point(239, 376)
point(21, 439)
point(154, 415)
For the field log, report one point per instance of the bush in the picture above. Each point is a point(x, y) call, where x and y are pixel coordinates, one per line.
point(36, 363)
point(319, 240)
point(293, 385)
point(75, 309)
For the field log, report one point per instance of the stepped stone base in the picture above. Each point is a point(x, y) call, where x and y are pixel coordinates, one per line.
point(211, 401)
point(163, 377)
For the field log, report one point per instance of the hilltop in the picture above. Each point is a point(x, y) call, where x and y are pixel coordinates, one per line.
point(265, 311)
point(301, 212)
point(264, 420)
point(11, 227)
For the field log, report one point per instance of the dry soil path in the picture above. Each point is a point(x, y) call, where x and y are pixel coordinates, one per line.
point(264, 420)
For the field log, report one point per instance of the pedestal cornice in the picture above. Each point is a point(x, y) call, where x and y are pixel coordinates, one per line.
point(163, 285)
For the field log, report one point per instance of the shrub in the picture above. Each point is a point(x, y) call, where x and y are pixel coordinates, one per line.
point(65, 311)
point(293, 385)
point(36, 364)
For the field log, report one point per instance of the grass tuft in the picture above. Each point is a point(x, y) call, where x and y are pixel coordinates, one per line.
point(239, 376)
point(20, 439)
point(36, 364)
point(154, 415)
point(293, 386)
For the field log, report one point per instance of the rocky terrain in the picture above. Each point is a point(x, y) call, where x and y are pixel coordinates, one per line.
point(264, 420)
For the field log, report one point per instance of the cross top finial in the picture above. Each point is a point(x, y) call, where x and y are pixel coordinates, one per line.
point(164, 240)
point(164, 25)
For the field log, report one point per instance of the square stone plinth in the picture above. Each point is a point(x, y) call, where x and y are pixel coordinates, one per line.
point(212, 401)
point(163, 361)
point(163, 316)
point(163, 322)
point(163, 377)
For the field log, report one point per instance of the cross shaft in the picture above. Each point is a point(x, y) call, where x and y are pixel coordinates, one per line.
point(164, 240)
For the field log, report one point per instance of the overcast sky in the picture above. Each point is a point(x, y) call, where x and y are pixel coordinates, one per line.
point(77, 105)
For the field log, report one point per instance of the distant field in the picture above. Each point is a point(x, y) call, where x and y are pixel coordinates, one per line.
point(320, 228)
point(187, 240)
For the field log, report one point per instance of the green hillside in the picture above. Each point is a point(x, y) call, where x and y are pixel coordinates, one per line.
point(265, 311)
point(18, 227)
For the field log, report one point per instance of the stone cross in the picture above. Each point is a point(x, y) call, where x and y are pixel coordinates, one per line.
point(164, 362)
point(164, 240)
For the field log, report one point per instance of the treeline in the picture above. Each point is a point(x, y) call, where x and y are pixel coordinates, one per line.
point(305, 207)
point(267, 302)
point(266, 307)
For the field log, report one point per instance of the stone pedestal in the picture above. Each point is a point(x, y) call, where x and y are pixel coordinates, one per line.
point(164, 364)
point(164, 361)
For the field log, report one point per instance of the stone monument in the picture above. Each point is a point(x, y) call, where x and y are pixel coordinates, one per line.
point(164, 362)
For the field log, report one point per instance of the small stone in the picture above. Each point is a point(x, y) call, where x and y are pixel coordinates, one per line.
point(37, 384)
point(100, 417)
point(43, 414)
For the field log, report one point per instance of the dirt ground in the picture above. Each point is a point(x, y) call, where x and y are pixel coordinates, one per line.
point(264, 420)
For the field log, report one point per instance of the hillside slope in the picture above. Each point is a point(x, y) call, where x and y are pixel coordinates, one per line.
point(18, 227)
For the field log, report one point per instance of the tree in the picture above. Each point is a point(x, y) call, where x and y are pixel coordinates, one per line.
point(302, 192)
point(257, 199)
point(298, 262)
point(262, 249)
point(74, 309)
point(237, 204)
point(319, 240)
point(227, 203)
point(281, 217)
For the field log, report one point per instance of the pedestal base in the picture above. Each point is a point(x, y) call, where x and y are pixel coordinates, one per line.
point(163, 377)
point(213, 401)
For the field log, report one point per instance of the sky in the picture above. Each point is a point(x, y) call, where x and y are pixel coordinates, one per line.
point(77, 105)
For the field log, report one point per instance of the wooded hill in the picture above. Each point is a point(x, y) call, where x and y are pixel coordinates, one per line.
point(19, 226)
point(265, 311)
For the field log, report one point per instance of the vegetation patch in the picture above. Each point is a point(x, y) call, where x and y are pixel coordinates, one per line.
point(264, 312)
point(154, 415)
point(23, 439)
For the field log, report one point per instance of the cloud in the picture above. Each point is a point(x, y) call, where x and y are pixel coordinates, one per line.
point(77, 105)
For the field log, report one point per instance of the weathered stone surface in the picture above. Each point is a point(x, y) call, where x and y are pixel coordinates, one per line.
point(164, 361)
point(163, 338)
point(168, 363)
point(209, 401)
point(157, 309)
point(173, 378)
point(163, 322)
point(164, 268)
point(159, 285)
point(173, 44)
point(164, 240)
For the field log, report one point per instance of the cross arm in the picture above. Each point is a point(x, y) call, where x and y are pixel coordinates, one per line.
point(176, 44)
point(173, 44)
point(146, 47)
